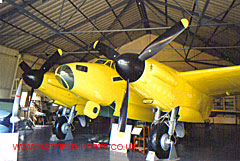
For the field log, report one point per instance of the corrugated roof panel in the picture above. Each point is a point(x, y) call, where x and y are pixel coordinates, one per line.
point(234, 15)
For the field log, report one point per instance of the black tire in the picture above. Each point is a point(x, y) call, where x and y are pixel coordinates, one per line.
point(61, 120)
point(155, 135)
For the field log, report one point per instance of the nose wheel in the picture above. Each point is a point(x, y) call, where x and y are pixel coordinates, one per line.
point(61, 127)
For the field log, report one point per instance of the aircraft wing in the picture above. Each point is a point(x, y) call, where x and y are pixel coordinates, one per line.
point(216, 81)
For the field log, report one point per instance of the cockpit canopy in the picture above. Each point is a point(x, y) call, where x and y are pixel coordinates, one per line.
point(65, 76)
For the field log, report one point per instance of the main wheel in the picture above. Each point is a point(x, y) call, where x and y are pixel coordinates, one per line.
point(61, 126)
point(157, 140)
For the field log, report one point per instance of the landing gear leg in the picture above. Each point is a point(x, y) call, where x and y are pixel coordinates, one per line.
point(63, 113)
point(161, 139)
point(171, 130)
point(63, 126)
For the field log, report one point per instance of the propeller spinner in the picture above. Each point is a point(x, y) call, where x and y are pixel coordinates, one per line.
point(33, 77)
point(131, 66)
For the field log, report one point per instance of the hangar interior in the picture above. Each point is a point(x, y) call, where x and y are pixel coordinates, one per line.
point(32, 30)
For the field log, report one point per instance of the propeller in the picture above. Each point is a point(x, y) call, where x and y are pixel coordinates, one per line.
point(33, 77)
point(110, 53)
point(14, 118)
point(131, 66)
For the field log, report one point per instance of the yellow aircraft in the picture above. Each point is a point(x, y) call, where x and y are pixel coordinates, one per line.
point(173, 96)
point(46, 83)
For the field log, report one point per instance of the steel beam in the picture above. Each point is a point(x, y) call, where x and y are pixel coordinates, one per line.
point(143, 14)
point(204, 63)
point(56, 24)
point(199, 22)
point(13, 11)
point(115, 33)
point(185, 10)
point(180, 9)
point(117, 18)
point(90, 21)
point(215, 30)
point(166, 11)
point(190, 21)
point(79, 24)
point(39, 21)
point(28, 33)
point(191, 33)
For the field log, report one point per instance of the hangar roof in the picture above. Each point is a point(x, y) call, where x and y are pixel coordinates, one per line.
point(38, 27)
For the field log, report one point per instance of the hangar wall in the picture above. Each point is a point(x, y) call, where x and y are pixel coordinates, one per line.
point(9, 59)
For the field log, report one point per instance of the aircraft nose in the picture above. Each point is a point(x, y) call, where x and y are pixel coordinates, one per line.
point(64, 75)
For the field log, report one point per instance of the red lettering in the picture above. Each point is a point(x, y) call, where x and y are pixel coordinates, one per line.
point(89, 146)
point(84, 146)
point(63, 146)
point(41, 147)
point(121, 146)
point(105, 146)
point(94, 147)
point(75, 146)
point(55, 146)
point(112, 146)
point(15, 147)
point(51, 146)
point(46, 147)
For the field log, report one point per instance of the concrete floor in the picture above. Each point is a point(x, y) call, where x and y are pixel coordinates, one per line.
point(219, 142)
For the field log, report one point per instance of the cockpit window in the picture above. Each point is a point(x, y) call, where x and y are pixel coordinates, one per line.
point(65, 76)
point(108, 63)
point(100, 61)
point(113, 66)
point(82, 68)
point(105, 62)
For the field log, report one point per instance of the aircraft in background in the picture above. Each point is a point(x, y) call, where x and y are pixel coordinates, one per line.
point(175, 97)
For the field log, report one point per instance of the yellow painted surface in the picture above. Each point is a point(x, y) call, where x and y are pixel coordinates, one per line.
point(167, 88)
point(217, 81)
point(54, 90)
point(97, 86)
point(89, 109)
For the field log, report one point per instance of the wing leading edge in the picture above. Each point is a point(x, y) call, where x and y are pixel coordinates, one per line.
point(216, 81)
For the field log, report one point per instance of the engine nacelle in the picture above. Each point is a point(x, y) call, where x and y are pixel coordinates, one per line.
point(91, 109)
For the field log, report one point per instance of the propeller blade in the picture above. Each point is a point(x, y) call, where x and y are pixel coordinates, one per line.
point(164, 39)
point(24, 66)
point(31, 94)
point(122, 121)
point(14, 118)
point(105, 50)
point(51, 61)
